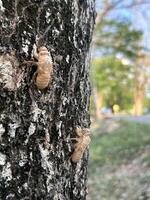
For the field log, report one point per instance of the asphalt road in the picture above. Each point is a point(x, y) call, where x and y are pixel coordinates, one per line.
point(145, 119)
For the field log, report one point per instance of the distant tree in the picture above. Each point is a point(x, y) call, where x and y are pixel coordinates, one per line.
point(113, 81)
point(141, 77)
point(117, 36)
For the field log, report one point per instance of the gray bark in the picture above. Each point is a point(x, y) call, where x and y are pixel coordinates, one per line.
point(36, 125)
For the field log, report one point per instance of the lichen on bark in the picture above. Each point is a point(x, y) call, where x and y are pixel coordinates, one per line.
point(36, 125)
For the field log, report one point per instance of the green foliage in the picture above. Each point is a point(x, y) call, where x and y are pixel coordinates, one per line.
point(121, 145)
point(113, 36)
point(111, 77)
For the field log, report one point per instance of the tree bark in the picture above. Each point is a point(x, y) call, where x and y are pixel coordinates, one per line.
point(139, 99)
point(140, 81)
point(98, 102)
point(36, 126)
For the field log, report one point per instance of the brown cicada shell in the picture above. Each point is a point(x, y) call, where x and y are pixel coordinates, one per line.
point(83, 141)
point(44, 68)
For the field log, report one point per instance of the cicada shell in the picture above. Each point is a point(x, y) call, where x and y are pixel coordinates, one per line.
point(44, 68)
point(83, 141)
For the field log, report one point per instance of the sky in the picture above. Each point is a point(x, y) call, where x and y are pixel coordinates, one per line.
point(138, 15)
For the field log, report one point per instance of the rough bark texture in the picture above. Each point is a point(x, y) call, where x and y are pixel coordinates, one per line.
point(36, 126)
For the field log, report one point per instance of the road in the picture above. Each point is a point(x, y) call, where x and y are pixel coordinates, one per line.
point(145, 119)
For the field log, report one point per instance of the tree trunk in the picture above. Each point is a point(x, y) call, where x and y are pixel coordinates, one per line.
point(98, 102)
point(140, 80)
point(138, 101)
point(36, 126)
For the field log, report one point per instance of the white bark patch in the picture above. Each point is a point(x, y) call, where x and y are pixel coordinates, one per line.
point(2, 130)
point(67, 58)
point(23, 159)
point(6, 173)
point(87, 59)
point(25, 185)
point(47, 137)
point(2, 159)
point(65, 100)
point(61, 27)
point(78, 170)
point(59, 128)
point(31, 156)
point(31, 129)
point(74, 21)
point(1, 6)
point(55, 31)
point(26, 43)
point(48, 19)
point(12, 130)
point(7, 73)
point(25, 48)
point(36, 111)
point(46, 164)
point(10, 196)
point(22, 163)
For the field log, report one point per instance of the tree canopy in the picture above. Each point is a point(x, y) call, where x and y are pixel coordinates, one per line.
point(117, 42)
point(113, 79)
point(117, 36)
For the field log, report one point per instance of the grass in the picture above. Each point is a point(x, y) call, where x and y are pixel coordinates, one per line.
point(119, 166)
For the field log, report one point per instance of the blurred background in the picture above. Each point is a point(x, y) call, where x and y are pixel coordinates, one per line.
point(119, 166)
